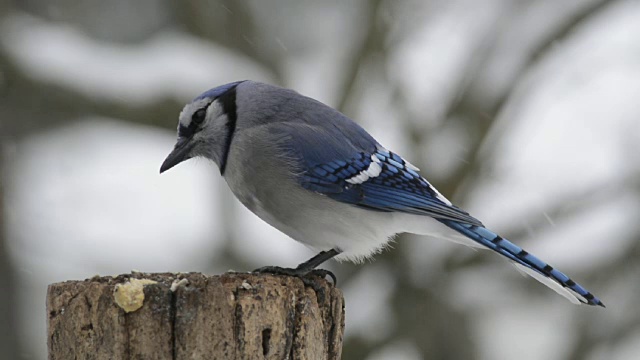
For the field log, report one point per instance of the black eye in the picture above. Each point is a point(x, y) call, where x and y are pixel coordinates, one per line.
point(198, 116)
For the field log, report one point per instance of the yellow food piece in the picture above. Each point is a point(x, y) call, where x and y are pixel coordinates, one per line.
point(130, 295)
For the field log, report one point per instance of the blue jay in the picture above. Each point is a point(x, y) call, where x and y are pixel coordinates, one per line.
point(317, 176)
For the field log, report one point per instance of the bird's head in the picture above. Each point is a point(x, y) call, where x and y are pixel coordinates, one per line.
point(205, 128)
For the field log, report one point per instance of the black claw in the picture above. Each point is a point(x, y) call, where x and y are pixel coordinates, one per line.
point(306, 275)
point(277, 270)
point(312, 281)
point(322, 273)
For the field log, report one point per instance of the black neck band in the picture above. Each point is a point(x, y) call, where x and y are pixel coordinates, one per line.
point(228, 102)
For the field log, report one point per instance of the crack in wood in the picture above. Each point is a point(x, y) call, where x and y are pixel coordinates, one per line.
point(233, 316)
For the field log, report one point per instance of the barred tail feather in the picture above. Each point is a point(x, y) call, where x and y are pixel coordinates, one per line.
point(553, 285)
point(527, 263)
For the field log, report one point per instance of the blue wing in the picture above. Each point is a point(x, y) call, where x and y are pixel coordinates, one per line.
point(381, 181)
point(348, 165)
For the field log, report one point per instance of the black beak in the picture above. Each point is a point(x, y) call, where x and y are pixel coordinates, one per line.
point(180, 153)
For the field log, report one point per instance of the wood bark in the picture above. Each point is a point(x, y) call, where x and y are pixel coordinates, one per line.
point(194, 316)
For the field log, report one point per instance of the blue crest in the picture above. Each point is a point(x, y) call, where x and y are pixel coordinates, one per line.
point(217, 91)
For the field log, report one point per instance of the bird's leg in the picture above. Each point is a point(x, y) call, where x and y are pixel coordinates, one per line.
point(306, 268)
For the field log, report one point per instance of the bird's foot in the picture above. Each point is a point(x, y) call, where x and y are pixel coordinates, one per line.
point(308, 276)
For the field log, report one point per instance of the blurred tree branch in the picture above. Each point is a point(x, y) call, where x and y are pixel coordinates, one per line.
point(8, 323)
point(410, 304)
point(41, 106)
point(228, 23)
point(37, 106)
point(34, 106)
point(372, 45)
point(565, 208)
point(480, 117)
point(590, 338)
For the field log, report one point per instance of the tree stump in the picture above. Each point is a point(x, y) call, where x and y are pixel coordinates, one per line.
point(194, 316)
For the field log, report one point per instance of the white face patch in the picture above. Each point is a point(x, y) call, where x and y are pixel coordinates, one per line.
point(372, 171)
point(187, 112)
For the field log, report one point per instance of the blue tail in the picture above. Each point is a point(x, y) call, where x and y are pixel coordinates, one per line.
point(513, 252)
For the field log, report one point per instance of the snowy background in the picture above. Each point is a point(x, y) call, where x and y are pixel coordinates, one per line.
point(525, 113)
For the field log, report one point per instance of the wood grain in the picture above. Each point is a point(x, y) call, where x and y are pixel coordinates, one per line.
point(194, 316)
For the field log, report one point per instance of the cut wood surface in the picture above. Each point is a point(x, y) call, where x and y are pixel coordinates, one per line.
point(194, 316)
